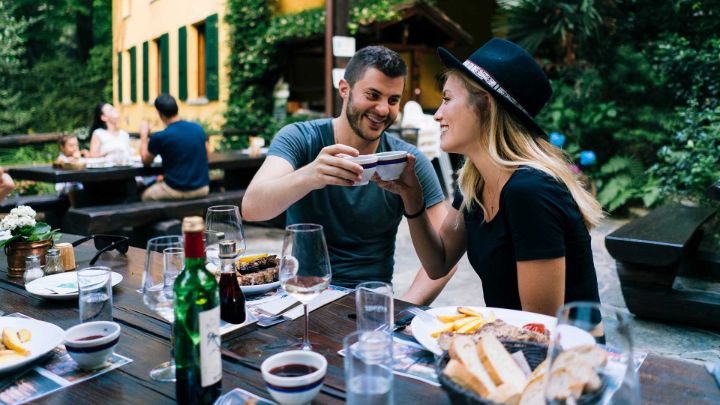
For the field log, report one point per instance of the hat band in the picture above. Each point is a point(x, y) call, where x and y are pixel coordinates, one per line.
point(483, 75)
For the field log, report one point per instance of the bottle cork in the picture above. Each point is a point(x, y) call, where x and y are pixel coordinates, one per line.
point(67, 255)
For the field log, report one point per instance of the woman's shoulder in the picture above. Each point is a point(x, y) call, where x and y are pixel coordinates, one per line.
point(100, 132)
point(527, 181)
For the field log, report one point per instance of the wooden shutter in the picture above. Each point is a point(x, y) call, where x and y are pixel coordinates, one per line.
point(133, 75)
point(146, 72)
point(120, 78)
point(182, 63)
point(165, 64)
point(211, 57)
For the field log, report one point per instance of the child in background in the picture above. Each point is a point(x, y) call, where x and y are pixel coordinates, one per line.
point(69, 152)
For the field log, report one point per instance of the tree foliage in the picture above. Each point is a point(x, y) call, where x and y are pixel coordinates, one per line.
point(12, 49)
point(627, 77)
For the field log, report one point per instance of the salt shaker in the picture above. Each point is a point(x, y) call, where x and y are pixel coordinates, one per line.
point(53, 264)
point(32, 269)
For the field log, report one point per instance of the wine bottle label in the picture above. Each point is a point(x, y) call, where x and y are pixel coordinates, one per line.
point(210, 358)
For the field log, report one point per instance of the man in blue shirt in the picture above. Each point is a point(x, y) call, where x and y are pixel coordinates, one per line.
point(184, 151)
point(305, 173)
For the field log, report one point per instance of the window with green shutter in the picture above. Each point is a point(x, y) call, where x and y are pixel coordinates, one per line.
point(211, 57)
point(133, 75)
point(120, 81)
point(182, 63)
point(165, 64)
point(146, 72)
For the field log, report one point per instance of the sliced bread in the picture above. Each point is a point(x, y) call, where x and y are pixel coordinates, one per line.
point(500, 365)
point(534, 392)
point(462, 349)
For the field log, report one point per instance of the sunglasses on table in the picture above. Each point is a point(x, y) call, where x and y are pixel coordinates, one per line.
point(105, 243)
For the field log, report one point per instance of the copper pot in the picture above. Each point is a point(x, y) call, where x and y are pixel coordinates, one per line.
point(17, 251)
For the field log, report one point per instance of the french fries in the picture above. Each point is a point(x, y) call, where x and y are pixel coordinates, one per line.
point(465, 321)
point(12, 347)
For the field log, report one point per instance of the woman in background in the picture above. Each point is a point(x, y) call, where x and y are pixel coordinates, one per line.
point(522, 216)
point(106, 139)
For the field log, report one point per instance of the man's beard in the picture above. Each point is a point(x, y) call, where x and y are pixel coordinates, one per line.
point(354, 116)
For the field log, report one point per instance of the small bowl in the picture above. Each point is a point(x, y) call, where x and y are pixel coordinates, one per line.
point(391, 164)
point(294, 390)
point(92, 353)
point(368, 163)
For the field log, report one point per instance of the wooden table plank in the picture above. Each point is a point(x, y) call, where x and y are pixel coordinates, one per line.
point(231, 160)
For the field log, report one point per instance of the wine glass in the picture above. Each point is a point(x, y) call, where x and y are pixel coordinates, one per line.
point(304, 266)
point(590, 323)
point(223, 222)
point(164, 259)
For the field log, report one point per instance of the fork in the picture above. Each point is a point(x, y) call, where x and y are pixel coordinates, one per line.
point(421, 314)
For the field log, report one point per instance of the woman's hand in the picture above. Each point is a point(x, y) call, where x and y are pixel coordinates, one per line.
point(408, 186)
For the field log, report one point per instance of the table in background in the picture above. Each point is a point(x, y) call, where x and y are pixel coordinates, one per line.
point(145, 339)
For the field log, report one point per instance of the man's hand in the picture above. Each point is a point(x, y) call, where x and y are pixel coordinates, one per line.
point(330, 168)
point(6, 184)
point(145, 155)
point(144, 129)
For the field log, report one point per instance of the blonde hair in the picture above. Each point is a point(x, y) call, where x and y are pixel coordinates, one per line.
point(511, 145)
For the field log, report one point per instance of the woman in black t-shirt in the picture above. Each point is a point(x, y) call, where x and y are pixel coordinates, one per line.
point(522, 216)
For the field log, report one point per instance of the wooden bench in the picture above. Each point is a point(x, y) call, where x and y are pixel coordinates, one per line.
point(108, 218)
point(653, 254)
point(53, 206)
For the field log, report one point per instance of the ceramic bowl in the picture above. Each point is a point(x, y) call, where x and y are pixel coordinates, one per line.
point(391, 164)
point(368, 163)
point(90, 344)
point(294, 390)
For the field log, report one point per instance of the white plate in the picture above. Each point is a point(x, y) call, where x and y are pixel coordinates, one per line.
point(259, 289)
point(423, 330)
point(64, 283)
point(45, 337)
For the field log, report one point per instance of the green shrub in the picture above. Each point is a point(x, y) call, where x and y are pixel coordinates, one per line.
point(688, 165)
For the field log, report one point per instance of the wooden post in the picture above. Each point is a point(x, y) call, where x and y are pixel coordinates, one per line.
point(328, 58)
point(337, 14)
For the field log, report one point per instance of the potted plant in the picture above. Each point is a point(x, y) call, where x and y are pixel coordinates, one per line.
point(27, 237)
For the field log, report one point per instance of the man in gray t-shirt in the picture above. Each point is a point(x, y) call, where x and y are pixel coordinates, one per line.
point(306, 175)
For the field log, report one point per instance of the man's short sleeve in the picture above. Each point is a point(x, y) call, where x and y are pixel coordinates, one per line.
point(430, 183)
point(536, 218)
point(289, 144)
point(155, 143)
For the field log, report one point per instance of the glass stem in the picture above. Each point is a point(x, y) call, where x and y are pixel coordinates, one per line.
point(306, 341)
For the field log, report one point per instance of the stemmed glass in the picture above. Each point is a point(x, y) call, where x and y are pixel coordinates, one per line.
point(164, 259)
point(590, 323)
point(223, 222)
point(304, 266)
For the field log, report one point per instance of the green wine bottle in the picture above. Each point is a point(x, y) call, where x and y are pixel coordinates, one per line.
point(198, 362)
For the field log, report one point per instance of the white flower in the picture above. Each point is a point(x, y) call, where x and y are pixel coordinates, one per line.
point(23, 210)
point(18, 217)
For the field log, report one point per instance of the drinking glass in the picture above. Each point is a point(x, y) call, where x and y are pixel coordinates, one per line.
point(589, 323)
point(164, 259)
point(95, 294)
point(368, 367)
point(223, 222)
point(304, 266)
point(374, 306)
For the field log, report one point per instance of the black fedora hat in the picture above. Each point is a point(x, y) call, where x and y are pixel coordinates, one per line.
point(510, 74)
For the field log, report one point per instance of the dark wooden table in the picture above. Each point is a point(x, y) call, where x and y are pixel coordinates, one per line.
point(145, 339)
point(232, 160)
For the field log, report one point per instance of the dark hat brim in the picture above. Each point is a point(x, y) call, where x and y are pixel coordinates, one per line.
point(451, 62)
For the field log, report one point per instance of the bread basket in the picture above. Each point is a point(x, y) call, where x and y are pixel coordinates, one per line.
point(534, 353)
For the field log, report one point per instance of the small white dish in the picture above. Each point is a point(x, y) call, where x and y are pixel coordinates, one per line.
point(369, 164)
point(90, 344)
point(391, 164)
point(61, 286)
point(295, 390)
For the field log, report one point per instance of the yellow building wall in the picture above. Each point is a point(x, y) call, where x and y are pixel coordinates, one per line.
point(137, 21)
point(295, 6)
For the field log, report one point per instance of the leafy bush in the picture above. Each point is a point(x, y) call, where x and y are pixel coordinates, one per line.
point(689, 164)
